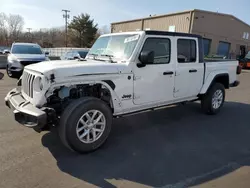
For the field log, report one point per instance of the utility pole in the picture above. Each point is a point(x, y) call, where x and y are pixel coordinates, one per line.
point(29, 35)
point(66, 16)
point(29, 29)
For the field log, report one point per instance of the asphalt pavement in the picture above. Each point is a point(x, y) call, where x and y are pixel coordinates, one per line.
point(174, 147)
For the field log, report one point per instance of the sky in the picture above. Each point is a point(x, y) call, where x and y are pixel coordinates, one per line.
point(47, 13)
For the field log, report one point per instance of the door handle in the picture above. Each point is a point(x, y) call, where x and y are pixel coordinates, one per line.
point(168, 73)
point(192, 70)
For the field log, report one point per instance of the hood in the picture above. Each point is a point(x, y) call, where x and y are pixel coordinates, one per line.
point(32, 57)
point(66, 68)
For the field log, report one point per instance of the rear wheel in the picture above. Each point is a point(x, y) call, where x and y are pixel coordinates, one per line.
point(85, 124)
point(213, 100)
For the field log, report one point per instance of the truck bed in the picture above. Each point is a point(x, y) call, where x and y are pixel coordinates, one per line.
point(217, 66)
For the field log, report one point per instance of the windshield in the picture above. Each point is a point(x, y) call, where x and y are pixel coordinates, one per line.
point(116, 46)
point(26, 49)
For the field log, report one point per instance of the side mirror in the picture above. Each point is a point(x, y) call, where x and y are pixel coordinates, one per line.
point(46, 53)
point(146, 57)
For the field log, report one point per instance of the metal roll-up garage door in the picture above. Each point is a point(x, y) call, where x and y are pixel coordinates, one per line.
point(223, 49)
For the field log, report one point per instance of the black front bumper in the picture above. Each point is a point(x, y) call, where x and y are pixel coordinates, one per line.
point(25, 113)
point(235, 83)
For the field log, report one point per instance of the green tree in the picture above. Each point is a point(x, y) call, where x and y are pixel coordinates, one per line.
point(82, 31)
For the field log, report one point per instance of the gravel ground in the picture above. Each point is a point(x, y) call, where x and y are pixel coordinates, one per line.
point(175, 147)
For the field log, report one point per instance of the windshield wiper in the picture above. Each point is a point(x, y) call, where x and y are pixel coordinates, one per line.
point(103, 55)
point(94, 55)
point(110, 57)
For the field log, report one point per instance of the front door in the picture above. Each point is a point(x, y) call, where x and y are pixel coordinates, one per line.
point(189, 72)
point(154, 82)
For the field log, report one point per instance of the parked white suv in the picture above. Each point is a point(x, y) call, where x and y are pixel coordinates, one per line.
point(21, 55)
point(124, 73)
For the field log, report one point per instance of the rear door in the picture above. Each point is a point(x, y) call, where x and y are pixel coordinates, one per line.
point(189, 72)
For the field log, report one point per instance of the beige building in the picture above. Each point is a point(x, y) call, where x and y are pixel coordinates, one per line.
point(223, 34)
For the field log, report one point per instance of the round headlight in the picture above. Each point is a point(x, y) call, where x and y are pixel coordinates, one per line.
point(38, 84)
point(13, 60)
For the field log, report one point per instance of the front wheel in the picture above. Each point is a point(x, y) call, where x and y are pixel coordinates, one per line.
point(9, 72)
point(85, 124)
point(213, 100)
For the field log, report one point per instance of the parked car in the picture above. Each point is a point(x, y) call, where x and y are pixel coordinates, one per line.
point(6, 51)
point(75, 54)
point(21, 55)
point(245, 61)
point(124, 73)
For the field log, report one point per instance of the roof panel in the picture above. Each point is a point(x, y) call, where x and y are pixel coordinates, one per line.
point(154, 32)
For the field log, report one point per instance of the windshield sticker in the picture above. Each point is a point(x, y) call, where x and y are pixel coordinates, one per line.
point(130, 39)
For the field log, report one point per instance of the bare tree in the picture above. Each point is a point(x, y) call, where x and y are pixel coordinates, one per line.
point(2, 19)
point(82, 32)
point(104, 30)
point(15, 26)
point(53, 37)
point(3, 29)
point(10, 27)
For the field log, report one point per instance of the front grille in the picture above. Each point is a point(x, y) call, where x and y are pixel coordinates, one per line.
point(27, 83)
point(25, 63)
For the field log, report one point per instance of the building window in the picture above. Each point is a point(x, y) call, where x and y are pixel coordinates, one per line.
point(245, 35)
point(223, 49)
point(186, 50)
point(206, 46)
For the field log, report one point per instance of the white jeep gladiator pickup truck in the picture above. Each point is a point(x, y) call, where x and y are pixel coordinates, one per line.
point(123, 73)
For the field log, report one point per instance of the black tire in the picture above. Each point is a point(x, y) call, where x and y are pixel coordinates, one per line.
point(207, 99)
point(9, 72)
point(70, 118)
point(13, 74)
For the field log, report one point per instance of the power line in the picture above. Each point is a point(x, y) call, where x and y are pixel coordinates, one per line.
point(66, 16)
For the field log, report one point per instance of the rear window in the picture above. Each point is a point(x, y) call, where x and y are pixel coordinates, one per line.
point(26, 49)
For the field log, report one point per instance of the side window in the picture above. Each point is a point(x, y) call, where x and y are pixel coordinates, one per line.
point(161, 48)
point(70, 55)
point(186, 49)
point(74, 54)
point(66, 55)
